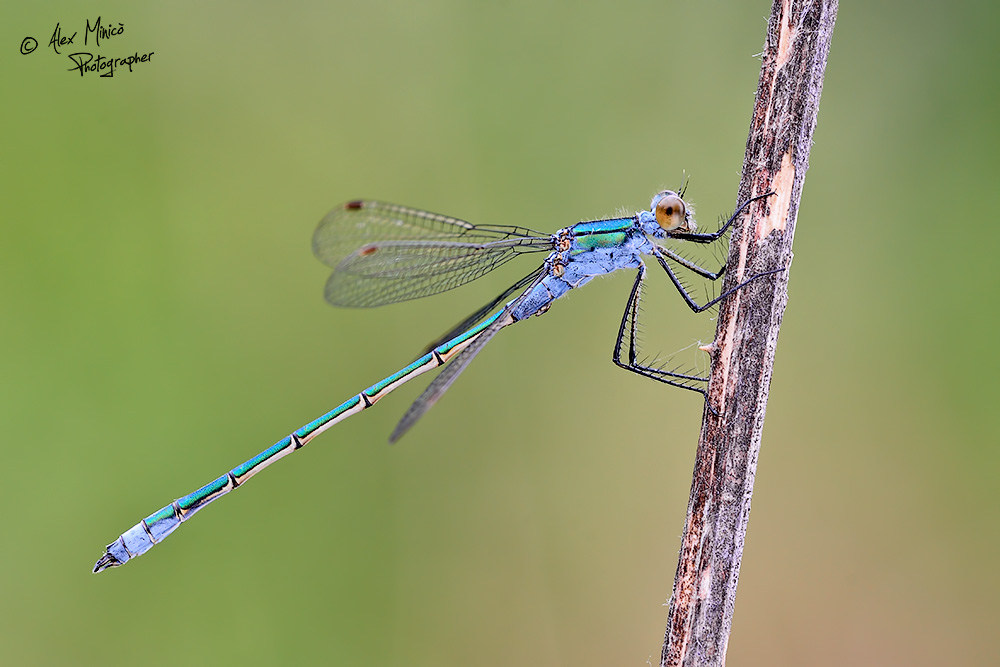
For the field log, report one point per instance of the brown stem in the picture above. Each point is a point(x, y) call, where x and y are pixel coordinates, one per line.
point(777, 156)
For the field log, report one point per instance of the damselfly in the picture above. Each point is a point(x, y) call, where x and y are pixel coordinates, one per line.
point(382, 253)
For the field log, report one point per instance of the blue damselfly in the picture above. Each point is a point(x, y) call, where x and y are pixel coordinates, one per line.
point(383, 253)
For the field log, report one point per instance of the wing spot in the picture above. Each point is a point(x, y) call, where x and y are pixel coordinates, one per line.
point(364, 251)
point(354, 205)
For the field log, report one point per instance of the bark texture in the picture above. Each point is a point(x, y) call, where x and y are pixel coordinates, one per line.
point(777, 156)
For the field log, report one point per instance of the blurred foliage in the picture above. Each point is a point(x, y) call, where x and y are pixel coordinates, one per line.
point(161, 320)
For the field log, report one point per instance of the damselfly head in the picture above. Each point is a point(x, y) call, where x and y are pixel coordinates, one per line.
point(671, 212)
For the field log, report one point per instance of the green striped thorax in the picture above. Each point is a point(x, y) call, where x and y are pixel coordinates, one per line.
point(668, 214)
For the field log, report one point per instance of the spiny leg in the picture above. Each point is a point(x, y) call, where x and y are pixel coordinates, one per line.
point(709, 237)
point(706, 239)
point(628, 329)
point(692, 266)
point(662, 259)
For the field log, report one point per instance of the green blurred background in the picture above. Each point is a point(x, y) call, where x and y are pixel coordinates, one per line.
point(162, 319)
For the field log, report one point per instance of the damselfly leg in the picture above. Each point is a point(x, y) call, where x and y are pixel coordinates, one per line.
point(384, 253)
point(628, 330)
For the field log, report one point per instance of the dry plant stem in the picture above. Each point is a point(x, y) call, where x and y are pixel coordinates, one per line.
point(784, 116)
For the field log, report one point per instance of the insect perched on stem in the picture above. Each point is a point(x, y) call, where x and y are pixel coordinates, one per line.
point(382, 253)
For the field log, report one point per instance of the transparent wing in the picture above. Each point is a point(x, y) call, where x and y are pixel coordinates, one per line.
point(436, 389)
point(383, 253)
point(481, 314)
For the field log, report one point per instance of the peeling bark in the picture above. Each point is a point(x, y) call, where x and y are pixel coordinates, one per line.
point(777, 156)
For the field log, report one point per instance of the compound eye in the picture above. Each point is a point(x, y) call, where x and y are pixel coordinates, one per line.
point(670, 211)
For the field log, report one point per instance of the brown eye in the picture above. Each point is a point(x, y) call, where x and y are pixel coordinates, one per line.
point(670, 211)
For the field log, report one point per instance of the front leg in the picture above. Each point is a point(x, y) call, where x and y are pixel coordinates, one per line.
point(714, 236)
point(706, 238)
